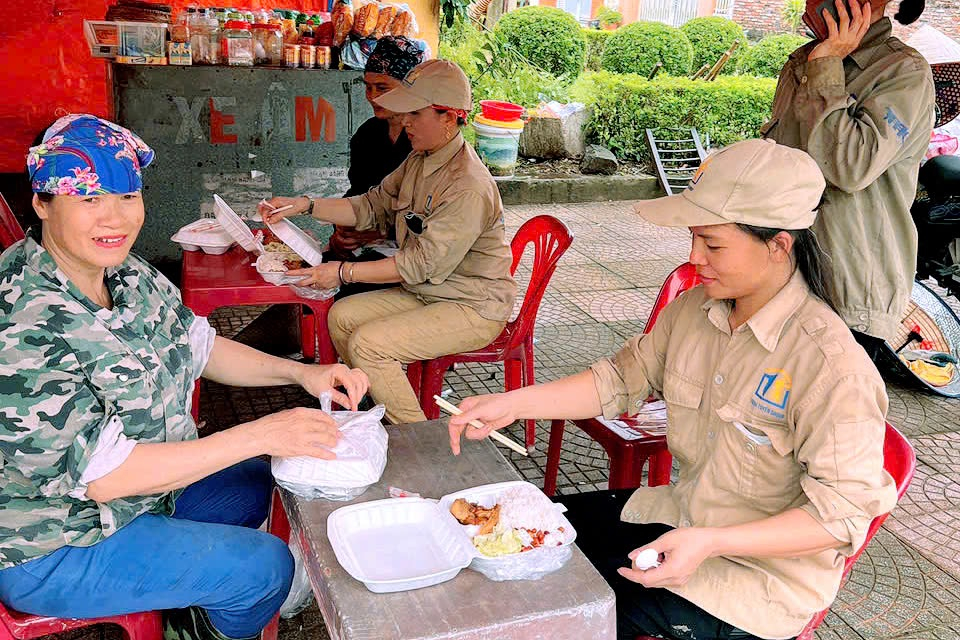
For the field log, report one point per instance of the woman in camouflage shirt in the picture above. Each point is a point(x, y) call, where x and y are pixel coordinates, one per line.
point(109, 503)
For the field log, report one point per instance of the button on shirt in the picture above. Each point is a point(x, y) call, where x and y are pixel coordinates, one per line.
point(80, 385)
point(866, 120)
point(796, 421)
point(459, 252)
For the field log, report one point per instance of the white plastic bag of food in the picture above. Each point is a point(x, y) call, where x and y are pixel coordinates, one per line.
point(361, 458)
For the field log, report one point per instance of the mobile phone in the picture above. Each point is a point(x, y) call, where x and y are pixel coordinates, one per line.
point(813, 16)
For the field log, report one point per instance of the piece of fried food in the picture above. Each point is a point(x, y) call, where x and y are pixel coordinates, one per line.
point(463, 511)
point(473, 514)
point(492, 518)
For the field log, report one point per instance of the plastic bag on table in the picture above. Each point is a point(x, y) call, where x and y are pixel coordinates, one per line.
point(365, 19)
point(342, 19)
point(404, 23)
point(361, 458)
point(354, 54)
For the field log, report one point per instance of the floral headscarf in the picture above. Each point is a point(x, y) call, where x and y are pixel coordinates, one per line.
point(394, 56)
point(86, 155)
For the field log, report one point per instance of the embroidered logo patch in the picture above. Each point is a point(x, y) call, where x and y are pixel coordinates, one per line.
point(773, 392)
point(897, 125)
point(700, 170)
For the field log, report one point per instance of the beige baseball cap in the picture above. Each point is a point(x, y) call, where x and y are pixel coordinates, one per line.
point(755, 182)
point(434, 82)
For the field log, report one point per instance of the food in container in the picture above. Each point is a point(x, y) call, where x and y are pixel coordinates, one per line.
point(236, 44)
point(365, 20)
point(324, 57)
point(291, 55)
point(268, 44)
point(234, 225)
point(404, 23)
point(308, 56)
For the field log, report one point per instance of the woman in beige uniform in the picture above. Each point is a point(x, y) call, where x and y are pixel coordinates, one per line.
point(455, 290)
point(861, 103)
point(776, 419)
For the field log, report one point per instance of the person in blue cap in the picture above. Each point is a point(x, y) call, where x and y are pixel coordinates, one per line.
point(109, 502)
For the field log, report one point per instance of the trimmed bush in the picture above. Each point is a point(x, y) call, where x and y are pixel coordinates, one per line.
point(729, 109)
point(711, 36)
point(767, 57)
point(596, 43)
point(549, 38)
point(637, 47)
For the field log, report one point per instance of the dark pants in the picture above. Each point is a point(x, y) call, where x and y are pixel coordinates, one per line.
point(873, 346)
point(606, 541)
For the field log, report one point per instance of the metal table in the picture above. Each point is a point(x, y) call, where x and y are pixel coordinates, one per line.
point(574, 602)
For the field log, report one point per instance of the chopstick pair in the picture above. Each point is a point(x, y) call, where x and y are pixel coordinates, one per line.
point(274, 209)
point(499, 437)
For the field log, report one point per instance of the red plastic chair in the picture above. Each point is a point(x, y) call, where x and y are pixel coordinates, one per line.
point(627, 457)
point(208, 282)
point(10, 230)
point(900, 461)
point(514, 346)
point(19, 626)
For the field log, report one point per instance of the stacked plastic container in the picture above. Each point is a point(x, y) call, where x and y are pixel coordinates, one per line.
point(498, 128)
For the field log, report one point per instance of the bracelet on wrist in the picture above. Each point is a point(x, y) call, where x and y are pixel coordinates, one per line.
point(350, 273)
point(340, 273)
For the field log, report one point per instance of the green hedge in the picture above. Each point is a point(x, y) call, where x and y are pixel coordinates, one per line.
point(711, 36)
point(767, 57)
point(636, 48)
point(549, 38)
point(596, 42)
point(730, 108)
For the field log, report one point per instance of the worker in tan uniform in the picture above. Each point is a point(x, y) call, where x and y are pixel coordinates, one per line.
point(455, 290)
point(861, 103)
point(775, 417)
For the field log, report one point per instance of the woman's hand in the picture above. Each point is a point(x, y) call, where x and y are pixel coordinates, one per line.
point(317, 378)
point(843, 39)
point(268, 210)
point(494, 411)
point(682, 551)
point(295, 432)
point(322, 276)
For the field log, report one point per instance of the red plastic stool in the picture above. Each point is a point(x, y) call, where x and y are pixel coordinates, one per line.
point(136, 626)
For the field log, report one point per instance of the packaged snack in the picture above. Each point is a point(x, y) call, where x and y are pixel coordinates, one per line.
point(404, 23)
point(342, 21)
point(387, 13)
point(365, 20)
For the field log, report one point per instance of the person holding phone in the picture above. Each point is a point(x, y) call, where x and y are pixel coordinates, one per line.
point(455, 290)
point(861, 103)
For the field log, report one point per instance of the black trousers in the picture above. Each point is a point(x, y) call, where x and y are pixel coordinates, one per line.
point(606, 541)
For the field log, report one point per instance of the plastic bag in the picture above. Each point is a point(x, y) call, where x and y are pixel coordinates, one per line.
point(342, 19)
point(301, 595)
point(314, 294)
point(354, 54)
point(361, 458)
point(365, 20)
point(404, 24)
point(387, 13)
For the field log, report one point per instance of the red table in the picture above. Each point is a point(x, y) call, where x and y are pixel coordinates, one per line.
point(208, 282)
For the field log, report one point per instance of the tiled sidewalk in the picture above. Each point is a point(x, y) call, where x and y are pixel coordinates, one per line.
point(906, 585)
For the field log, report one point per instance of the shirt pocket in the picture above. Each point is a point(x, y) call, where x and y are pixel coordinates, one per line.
point(683, 398)
point(769, 475)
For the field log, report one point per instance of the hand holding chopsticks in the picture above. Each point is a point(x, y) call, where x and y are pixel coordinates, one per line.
point(499, 437)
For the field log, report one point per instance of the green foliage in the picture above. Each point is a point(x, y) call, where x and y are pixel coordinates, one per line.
point(728, 109)
point(767, 57)
point(451, 10)
point(549, 38)
point(792, 13)
point(711, 36)
point(636, 48)
point(596, 42)
point(609, 17)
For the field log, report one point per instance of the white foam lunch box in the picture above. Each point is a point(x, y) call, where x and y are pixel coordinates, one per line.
point(204, 235)
point(400, 544)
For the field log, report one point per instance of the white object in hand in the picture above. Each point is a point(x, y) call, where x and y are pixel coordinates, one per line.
point(647, 559)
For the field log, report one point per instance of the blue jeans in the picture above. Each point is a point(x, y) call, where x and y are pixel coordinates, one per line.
point(208, 554)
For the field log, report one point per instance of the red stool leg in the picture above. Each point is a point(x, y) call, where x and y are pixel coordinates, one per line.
point(278, 525)
point(553, 457)
point(624, 467)
point(529, 378)
point(432, 385)
point(326, 353)
point(195, 404)
point(142, 626)
point(659, 472)
point(415, 378)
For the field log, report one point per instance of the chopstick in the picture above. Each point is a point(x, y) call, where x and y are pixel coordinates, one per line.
point(275, 210)
point(499, 437)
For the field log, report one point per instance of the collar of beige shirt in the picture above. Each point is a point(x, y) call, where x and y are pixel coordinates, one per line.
point(433, 161)
point(766, 324)
point(878, 33)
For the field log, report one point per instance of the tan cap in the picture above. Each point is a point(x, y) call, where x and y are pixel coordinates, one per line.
point(755, 182)
point(434, 82)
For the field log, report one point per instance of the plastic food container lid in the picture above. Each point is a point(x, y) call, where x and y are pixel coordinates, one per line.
point(298, 240)
point(502, 124)
point(235, 226)
point(205, 232)
point(237, 24)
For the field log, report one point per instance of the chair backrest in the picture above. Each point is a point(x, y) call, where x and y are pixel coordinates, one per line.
point(550, 239)
point(10, 230)
point(680, 279)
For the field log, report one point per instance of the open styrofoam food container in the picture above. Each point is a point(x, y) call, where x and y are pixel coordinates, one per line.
point(204, 235)
point(408, 543)
point(298, 240)
point(267, 271)
point(234, 225)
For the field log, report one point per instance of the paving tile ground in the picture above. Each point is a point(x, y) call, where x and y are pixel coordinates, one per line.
point(906, 586)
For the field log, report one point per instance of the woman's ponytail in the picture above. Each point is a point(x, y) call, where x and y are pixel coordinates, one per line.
point(909, 11)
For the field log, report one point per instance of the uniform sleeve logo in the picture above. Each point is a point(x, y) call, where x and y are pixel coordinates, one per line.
point(897, 125)
point(773, 392)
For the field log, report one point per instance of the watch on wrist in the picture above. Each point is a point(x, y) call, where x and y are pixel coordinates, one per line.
point(309, 210)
